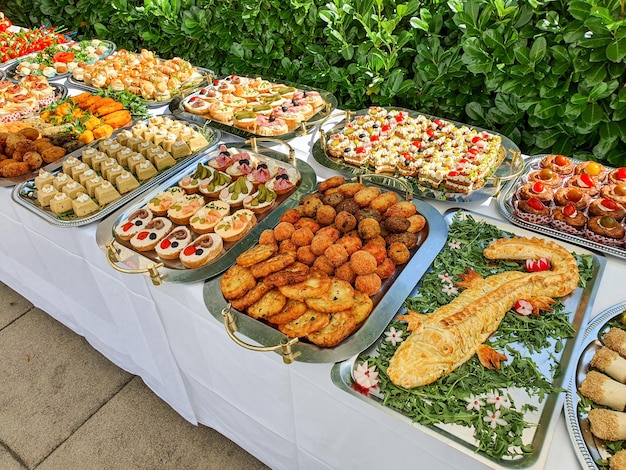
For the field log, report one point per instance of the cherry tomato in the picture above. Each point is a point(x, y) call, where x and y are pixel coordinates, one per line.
point(64, 57)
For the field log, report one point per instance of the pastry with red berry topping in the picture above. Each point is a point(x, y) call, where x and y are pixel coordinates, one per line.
point(536, 189)
point(533, 210)
point(618, 176)
point(135, 222)
point(595, 170)
point(585, 183)
point(171, 246)
point(572, 195)
point(616, 192)
point(605, 230)
point(201, 251)
point(604, 206)
point(546, 176)
point(569, 219)
point(153, 232)
point(559, 164)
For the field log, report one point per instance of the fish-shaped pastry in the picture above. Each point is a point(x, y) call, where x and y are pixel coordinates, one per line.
point(445, 339)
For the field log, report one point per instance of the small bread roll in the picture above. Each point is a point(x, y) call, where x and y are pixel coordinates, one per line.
point(618, 461)
point(611, 363)
point(615, 339)
point(604, 391)
point(608, 424)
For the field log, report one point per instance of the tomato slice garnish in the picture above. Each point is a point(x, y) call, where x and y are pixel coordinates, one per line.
point(64, 57)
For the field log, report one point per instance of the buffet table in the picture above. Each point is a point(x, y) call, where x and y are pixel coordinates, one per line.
point(288, 416)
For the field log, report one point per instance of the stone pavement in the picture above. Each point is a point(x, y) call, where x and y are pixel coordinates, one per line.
point(65, 406)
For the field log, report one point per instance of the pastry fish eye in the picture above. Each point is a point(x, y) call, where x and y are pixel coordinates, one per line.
point(446, 349)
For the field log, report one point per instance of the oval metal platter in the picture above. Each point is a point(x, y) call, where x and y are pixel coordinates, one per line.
point(382, 313)
point(173, 271)
point(589, 448)
point(508, 168)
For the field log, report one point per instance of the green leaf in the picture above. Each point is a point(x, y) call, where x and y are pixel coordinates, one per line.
point(598, 90)
point(616, 50)
point(475, 111)
point(538, 50)
point(595, 75)
point(546, 109)
point(579, 10)
point(592, 114)
point(547, 138)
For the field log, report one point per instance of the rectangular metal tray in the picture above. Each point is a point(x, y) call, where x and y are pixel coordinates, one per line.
point(579, 303)
point(24, 193)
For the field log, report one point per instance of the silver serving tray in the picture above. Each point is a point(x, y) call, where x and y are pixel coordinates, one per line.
point(24, 193)
point(11, 70)
point(579, 303)
point(175, 272)
point(376, 322)
point(588, 448)
point(509, 168)
point(505, 205)
point(177, 109)
point(2, 75)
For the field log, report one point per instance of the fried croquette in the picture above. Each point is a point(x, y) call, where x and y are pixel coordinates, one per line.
point(384, 202)
point(368, 229)
point(292, 274)
point(403, 209)
point(379, 240)
point(292, 310)
point(283, 231)
point(346, 273)
point(330, 232)
point(368, 283)
point(29, 132)
point(12, 140)
point(398, 253)
point(267, 237)
point(252, 296)
point(396, 224)
point(376, 250)
point(256, 254)
point(305, 324)
point(307, 222)
point(350, 243)
point(23, 147)
point(350, 189)
point(310, 204)
point(273, 264)
point(363, 262)
point(337, 255)
point(368, 212)
point(417, 223)
point(33, 159)
point(291, 216)
point(13, 168)
point(333, 182)
point(287, 246)
point(409, 239)
point(348, 205)
point(270, 303)
point(339, 327)
point(43, 144)
point(320, 243)
point(322, 263)
point(236, 282)
point(302, 236)
point(52, 154)
point(332, 199)
point(386, 268)
point(325, 215)
point(365, 196)
point(345, 221)
point(305, 255)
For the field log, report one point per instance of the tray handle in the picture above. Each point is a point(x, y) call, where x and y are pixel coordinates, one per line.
point(152, 269)
point(517, 165)
point(291, 156)
point(407, 188)
point(285, 344)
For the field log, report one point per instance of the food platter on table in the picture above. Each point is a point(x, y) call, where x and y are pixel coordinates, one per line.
point(557, 201)
point(124, 70)
point(351, 329)
point(452, 418)
point(407, 143)
point(207, 180)
point(57, 61)
point(110, 172)
point(592, 451)
point(13, 110)
point(256, 106)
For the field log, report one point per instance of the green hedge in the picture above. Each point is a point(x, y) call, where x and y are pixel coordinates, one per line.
point(549, 74)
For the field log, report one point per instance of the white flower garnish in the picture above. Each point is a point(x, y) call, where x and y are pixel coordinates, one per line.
point(494, 419)
point(454, 245)
point(393, 336)
point(445, 278)
point(450, 290)
point(473, 403)
point(366, 377)
point(498, 400)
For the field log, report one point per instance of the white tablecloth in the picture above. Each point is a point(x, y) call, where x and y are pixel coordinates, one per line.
point(289, 416)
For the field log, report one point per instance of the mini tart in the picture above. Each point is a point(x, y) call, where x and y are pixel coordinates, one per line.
point(558, 163)
point(568, 219)
point(135, 222)
point(584, 183)
point(234, 227)
point(284, 181)
point(223, 160)
point(236, 192)
point(182, 210)
point(618, 176)
point(617, 192)
point(212, 186)
point(605, 230)
point(207, 217)
point(261, 201)
point(536, 189)
point(201, 251)
point(546, 176)
point(175, 241)
point(595, 170)
point(153, 232)
point(533, 210)
point(572, 195)
point(605, 206)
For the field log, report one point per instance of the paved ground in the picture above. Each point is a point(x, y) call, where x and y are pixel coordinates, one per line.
point(65, 406)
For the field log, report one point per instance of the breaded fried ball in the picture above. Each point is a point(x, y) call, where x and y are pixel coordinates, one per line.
point(365, 196)
point(29, 132)
point(336, 254)
point(350, 243)
point(12, 140)
point(363, 262)
point(332, 182)
point(409, 239)
point(329, 231)
point(403, 209)
point(308, 223)
point(305, 255)
point(33, 159)
point(320, 243)
point(287, 245)
point(283, 231)
point(310, 204)
point(386, 268)
point(325, 215)
point(350, 189)
point(43, 144)
point(368, 283)
point(348, 205)
point(332, 198)
point(376, 250)
point(396, 224)
point(379, 240)
point(345, 221)
point(291, 216)
point(398, 253)
point(267, 237)
point(345, 273)
point(13, 168)
point(417, 222)
point(368, 212)
point(302, 236)
point(384, 202)
point(368, 229)
point(323, 264)
point(52, 154)
point(23, 147)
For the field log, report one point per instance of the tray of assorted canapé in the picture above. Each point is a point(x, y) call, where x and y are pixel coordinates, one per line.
point(483, 347)
point(193, 225)
point(90, 183)
point(582, 202)
point(441, 159)
point(256, 106)
point(596, 396)
point(323, 279)
point(157, 81)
